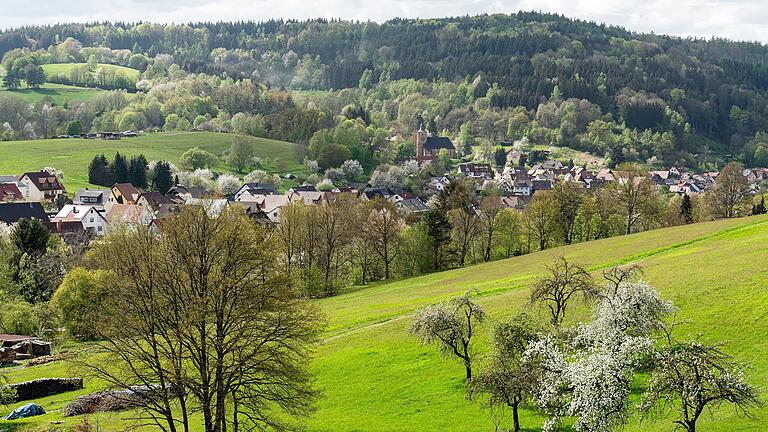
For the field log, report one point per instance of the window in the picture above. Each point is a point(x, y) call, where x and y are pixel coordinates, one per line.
point(98, 229)
point(91, 220)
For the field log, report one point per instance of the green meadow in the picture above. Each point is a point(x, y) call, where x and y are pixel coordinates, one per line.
point(72, 156)
point(374, 377)
point(66, 68)
point(61, 94)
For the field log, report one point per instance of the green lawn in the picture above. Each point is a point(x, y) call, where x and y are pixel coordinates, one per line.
point(66, 69)
point(375, 377)
point(73, 155)
point(61, 94)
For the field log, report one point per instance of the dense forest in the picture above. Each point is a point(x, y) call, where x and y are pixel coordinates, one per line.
point(553, 80)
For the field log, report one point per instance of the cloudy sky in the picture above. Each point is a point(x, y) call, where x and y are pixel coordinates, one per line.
point(735, 19)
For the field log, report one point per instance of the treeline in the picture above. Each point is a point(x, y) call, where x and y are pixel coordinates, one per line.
point(348, 241)
point(527, 54)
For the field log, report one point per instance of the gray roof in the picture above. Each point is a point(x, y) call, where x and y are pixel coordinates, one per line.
point(7, 178)
point(13, 212)
point(436, 143)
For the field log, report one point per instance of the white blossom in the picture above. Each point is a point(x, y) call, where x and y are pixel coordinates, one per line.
point(228, 184)
point(352, 168)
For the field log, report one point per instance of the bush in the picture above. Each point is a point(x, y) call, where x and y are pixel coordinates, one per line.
point(19, 317)
point(78, 301)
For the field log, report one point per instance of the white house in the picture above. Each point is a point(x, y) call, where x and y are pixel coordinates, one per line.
point(87, 215)
point(40, 186)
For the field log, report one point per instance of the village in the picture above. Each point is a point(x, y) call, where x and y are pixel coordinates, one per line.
point(34, 195)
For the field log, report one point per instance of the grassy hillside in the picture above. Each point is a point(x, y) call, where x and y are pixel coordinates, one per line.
point(73, 155)
point(66, 68)
point(61, 94)
point(375, 377)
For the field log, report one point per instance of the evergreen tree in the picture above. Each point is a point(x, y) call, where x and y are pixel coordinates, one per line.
point(11, 80)
point(438, 228)
point(75, 128)
point(98, 171)
point(759, 209)
point(162, 178)
point(686, 209)
point(34, 75)
point(119, 169)
point(137, 171)
point(432, 127)
point(500, 157)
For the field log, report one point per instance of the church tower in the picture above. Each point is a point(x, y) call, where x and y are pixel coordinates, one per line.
point(421, 139)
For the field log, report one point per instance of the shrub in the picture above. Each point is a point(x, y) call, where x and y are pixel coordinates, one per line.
point(78, 301)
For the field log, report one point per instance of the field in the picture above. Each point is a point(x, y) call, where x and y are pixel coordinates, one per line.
point(61, 94)
point(72, 156)
point(376, 378)
point(66, 68)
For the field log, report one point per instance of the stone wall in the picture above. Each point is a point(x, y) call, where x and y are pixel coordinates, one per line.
point(46, 387)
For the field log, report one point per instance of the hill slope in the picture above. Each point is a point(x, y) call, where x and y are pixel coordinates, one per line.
point(73, 155)
point(375, 377)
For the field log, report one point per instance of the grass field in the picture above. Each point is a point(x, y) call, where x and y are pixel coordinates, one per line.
point(66, 68)
point(72, 156)
point(61, 94)
point(376, 378)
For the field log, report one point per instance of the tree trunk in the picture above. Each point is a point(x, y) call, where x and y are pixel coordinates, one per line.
point(468, 367)
point(515, 418)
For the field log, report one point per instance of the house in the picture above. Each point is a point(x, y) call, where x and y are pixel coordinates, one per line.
point(269, 205)
point(129, 214)
point(308, 194)
point(522, 185)
point(371, 193)
point(411, 206)
point(10, 192)
point(123, 193)
point(254, 189)
point(428, 147)
point(437, 184)
point(513, 202)
point(605, 175)
point(95, 197)
point(40, 186)
point(476, 170)
point(154, 200)
point(10, 213)
point(756, 175)
point(88, 216)
point(183, 193)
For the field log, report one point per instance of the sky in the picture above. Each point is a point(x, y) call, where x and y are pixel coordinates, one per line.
point(734, 19)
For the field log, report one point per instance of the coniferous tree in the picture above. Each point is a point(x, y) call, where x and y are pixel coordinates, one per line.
point(162, 178)
point(759, 209)
point(98, 171)
point(137, 171)
point(119, 169)
point(686, 209)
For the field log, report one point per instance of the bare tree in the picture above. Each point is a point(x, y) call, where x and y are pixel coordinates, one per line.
point(451, 326)
point(731, 191)
point(633, 194)
point(464, 230)
point(382, 231)
point(198, 312)
point(691, 377)
point(557, 288)
point(540, 217)
point(490, 207)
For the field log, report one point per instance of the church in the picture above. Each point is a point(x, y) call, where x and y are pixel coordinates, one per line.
point(428, 146)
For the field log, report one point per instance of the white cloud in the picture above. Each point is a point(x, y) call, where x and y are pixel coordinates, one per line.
point(735, 19)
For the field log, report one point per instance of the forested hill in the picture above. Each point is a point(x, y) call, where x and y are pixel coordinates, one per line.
point(718, 87)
